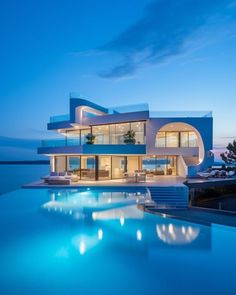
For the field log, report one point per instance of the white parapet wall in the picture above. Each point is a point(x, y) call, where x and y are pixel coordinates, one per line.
point(182, 168)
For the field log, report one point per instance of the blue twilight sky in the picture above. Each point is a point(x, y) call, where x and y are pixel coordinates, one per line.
point(175, 55)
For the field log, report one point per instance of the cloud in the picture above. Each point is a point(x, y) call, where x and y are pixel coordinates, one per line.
point(167, 28)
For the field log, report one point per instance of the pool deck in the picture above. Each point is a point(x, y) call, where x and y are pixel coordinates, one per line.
point(191, 214)
point(192, 183)
point(161, 181)
point(198, 215)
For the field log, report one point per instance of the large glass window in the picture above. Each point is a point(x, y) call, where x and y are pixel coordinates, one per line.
point(118, 166)
point(84, 133)
point(121, 129)
point(184, 139)
point(107, 134)
point(73, 165)
point(60, 163)
point(101, 134)
point(73, 137)
point(176, 139)
point(133, 164)
point(104, 168)
point(172, 139)
point(161, 139)
point(138, 128)
point(171, 166)
point(193, 141)
point(88, 167)
point(158, 165)
point(114, 133)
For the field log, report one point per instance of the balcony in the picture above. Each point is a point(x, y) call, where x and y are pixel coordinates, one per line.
point(73, 146)
point(59, 118)
point(181, 114)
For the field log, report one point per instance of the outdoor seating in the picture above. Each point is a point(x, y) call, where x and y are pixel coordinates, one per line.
point(135, 177)
point(216, 174)
point(60, 178)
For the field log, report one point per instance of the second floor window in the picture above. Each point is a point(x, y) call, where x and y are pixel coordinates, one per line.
point(176, 139)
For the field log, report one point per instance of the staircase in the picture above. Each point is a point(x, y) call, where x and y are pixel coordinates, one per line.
point(168, 197)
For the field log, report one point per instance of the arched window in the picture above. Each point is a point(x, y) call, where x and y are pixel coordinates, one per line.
point(177, 135)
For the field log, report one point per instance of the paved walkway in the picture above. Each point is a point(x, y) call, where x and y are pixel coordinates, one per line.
point(157, 181)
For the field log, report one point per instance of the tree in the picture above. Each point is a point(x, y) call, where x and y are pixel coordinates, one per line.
point(230, 155)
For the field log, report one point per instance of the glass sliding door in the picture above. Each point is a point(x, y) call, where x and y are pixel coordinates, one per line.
point(118, 167)
point(133, 164)
point(159, 165)
point(171, 166)
point(73, 164)
point(149, 164)
point(60, 163)
point(104, 167)
point(88, 167)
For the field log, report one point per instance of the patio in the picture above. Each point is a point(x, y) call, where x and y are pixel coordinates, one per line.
point(152, 181)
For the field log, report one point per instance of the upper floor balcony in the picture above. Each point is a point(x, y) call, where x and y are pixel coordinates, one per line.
point(59, 118)
point(180, 114)
point(74, 146)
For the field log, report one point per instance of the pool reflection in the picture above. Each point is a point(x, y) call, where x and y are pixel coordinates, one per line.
point(106, 217)
point(177, 235)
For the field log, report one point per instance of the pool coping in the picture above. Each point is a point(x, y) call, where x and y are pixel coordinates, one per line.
point(230, 217)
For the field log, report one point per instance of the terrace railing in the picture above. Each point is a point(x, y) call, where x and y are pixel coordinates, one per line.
point(181, 114)
point(61, 142)
point(59, 118)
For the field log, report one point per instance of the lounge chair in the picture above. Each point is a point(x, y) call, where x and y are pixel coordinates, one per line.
point(204, 174)
point(61, 178)
point(58, 180)
point(230, 173)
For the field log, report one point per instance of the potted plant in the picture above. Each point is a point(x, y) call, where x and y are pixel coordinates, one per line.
point(90, 138)
point(129, 137)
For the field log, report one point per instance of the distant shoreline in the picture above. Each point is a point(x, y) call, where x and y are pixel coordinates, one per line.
point(35, 162)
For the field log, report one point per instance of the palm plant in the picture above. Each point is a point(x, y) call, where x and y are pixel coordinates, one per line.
point(90, 138)
point(129, 137)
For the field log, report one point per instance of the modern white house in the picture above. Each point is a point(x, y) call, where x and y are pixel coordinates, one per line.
point(99, 143)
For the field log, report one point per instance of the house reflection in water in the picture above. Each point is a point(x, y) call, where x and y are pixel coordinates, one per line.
point(177, 235)
point(114, 225)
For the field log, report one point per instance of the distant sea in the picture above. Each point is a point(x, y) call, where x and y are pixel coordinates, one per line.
point(13, 176)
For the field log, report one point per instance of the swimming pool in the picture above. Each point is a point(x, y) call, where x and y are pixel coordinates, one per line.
point(115, 249)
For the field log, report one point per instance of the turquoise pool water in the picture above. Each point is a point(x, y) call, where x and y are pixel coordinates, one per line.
point(93, 242)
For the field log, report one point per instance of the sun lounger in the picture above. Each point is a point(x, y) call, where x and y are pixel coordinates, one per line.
point(204, 174)
point(58, 180)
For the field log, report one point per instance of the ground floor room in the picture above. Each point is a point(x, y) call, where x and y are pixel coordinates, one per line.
point(101, 167)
